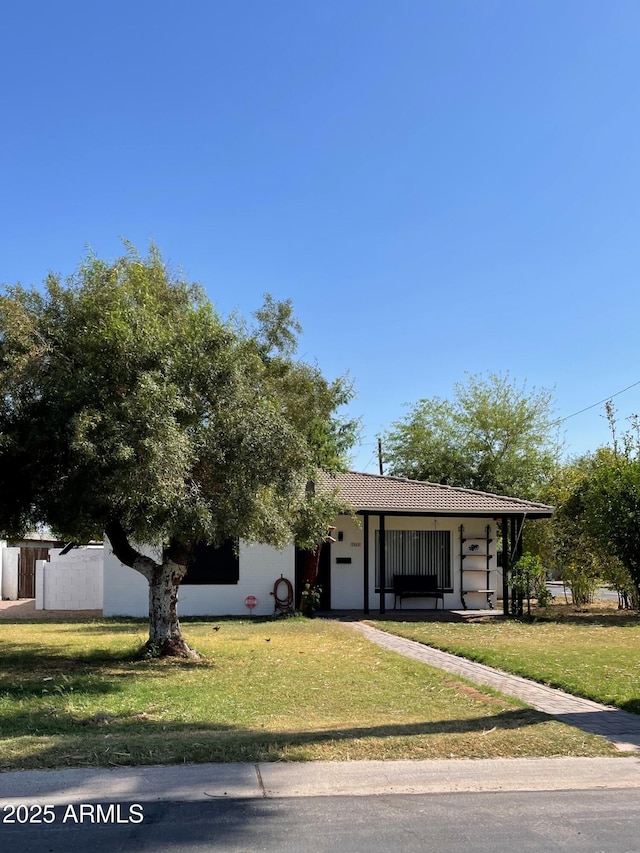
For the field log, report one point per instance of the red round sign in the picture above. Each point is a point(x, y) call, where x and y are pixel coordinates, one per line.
point(251, 601)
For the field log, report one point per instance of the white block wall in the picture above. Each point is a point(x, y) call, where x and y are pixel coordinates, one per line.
point(70, 582)
point(126, 593)
point(10, 558)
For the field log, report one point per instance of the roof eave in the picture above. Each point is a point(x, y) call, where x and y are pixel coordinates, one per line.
point(502, 513)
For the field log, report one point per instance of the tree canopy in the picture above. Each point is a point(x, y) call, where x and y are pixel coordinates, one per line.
point(493, 435)
point(611, 500)
point(566, 542)
point(129, 405)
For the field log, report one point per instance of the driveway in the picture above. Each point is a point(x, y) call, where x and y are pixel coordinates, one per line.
point(25, 608)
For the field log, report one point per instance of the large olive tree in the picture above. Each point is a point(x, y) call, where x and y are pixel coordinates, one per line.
point(127, 405)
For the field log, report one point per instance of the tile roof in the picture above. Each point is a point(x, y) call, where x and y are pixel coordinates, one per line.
point(396, 494)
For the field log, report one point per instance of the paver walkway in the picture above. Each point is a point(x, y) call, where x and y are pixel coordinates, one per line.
point(617, 726)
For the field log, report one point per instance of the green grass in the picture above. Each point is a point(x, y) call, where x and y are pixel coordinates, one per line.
point(74, 694)
point(593, 653)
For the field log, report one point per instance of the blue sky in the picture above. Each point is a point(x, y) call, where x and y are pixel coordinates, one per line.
point(439, 187)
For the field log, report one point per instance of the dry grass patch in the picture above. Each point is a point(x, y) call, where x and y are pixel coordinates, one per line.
point(74, 694)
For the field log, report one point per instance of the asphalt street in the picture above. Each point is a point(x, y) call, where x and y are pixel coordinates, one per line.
point(573, 804)
point(574, 822)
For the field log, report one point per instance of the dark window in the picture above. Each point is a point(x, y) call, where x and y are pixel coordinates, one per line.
point(212, 564)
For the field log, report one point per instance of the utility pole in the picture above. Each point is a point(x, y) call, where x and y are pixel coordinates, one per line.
point(380, 457)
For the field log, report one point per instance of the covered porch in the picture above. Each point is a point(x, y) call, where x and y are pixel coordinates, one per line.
point(466, 541)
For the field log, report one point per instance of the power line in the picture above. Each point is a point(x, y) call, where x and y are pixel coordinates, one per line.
point(373, 456)
point(593, 405)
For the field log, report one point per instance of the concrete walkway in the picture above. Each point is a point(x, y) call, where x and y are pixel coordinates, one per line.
point(619, 727)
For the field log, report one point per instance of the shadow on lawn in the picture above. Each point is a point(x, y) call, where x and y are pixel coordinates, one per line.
point(26, 657)
point(102, 739)
point(606, 615)
point(76, 685)
point(613, 619)
point(559, 615)
point(123, 624)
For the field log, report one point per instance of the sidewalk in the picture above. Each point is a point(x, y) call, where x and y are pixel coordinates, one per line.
point(619, 727)
point(199, 782)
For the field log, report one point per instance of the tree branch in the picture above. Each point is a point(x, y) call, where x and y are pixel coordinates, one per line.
point(120, 544)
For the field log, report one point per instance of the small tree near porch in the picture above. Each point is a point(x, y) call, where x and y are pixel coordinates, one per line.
point(313, 529)
point(129, 406)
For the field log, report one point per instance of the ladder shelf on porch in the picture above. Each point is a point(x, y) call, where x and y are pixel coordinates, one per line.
point(478, 574)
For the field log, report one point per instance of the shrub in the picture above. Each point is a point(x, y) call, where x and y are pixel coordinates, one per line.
point(529, 580)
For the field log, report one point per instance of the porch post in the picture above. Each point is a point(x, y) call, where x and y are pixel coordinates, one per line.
point(366, 563)
point(519, 543)
point(515, 554)
point(383, 564)
point(505, 566)
point(512, 559)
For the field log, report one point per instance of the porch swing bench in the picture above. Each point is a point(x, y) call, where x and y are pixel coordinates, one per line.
point(416, 586)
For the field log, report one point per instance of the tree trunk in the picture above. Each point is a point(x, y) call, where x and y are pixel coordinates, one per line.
point(165, 634)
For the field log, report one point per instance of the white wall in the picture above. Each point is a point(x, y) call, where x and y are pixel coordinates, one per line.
point(40, 584)
point(126, 592)
point(260, 567)
point(70, 582)
point(10, 558)
point(347, 580)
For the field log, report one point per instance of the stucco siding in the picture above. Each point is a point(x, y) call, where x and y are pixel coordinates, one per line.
point(347, 590)
point(260, 567)
point(126, 592)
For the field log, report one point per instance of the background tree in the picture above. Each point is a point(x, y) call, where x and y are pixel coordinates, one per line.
point(129, 406)
point(563, 541)
point(612, 500)
point(570, 544)
point(493, 436)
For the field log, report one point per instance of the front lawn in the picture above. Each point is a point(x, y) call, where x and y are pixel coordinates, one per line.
point(593, 653)
point(74, 694)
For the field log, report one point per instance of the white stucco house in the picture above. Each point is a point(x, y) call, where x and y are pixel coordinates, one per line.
point(407, 527)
